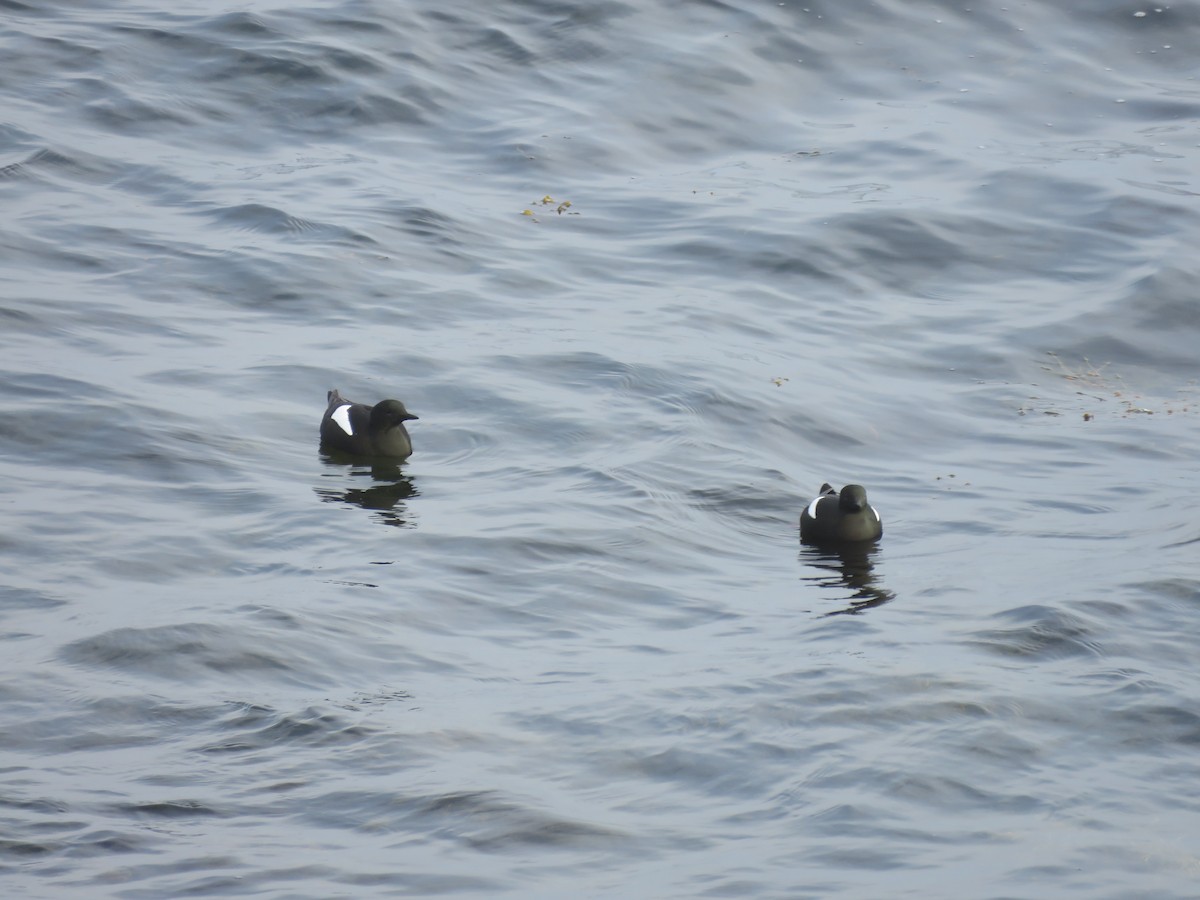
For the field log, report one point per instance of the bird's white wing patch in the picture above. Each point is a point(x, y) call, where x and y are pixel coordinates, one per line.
point(812, 507)
point(341, 415)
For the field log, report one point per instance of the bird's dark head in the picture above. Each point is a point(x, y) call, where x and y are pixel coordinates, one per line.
point(852, 498)
point(389, 414)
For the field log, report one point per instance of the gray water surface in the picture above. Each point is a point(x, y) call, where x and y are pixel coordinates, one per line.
point(572, 647)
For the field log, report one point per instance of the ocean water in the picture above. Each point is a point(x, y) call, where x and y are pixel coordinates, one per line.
point(649, 274)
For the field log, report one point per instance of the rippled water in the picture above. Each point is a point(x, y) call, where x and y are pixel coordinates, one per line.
point(648, 274)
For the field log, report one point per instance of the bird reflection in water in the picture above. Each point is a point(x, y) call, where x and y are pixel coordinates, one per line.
point(847, 566)
point(384, 494)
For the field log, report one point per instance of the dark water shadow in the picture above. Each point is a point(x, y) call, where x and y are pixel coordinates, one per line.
point(847, 567)
point(384, 494)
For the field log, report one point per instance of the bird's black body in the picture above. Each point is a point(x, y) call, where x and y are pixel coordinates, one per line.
point(845, 517)
point(363, 430)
